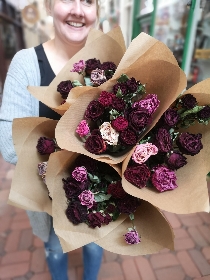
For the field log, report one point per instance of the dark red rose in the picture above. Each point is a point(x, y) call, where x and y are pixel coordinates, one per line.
point(132, 85)
point(95, 219)
point(110, 209)
point(122, 87)
point(128, 137)
point(171, 117)
point(118, 104)
point(204, 114)
point(176, 160)
point(128, 204)
point(120, 124)
point(108, 66)
point(137, 175)
point(116, 190)
point(94, 110)
point(76, 213)
point(163, 140)
point(73, 188)
point(95, 144)
point(45, 146)
point(107, 219)
point(89, 163)
point(139, 119)
point(106, 98)
point(189, 101)
point(92, 64)
point(64, 88)
point(189, 144)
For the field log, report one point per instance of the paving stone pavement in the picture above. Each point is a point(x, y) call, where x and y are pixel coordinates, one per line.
point(22, 254)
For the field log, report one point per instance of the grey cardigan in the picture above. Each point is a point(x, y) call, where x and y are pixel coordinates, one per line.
point(17, 102)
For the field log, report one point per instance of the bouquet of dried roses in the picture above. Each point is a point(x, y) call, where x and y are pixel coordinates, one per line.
point(113, 116)
point(95, 196)
point(89, 205)
point(66, 81)
point(28, 189)
point(163, 156)
point(117, 119)
point(94, 73)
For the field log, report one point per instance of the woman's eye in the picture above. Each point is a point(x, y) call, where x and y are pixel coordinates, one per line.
point(87, 2)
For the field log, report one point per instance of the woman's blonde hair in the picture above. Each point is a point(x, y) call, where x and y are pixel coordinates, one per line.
point(48, 4)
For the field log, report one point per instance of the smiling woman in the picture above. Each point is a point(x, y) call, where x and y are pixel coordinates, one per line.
point(38, 66)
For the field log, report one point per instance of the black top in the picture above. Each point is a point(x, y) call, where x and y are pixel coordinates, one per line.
point(47, 75)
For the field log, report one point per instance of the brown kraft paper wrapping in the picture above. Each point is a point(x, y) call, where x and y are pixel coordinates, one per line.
point(191, 195)
point(28, 191)
point(146, 60)
point(105, 47)
point(155, 231)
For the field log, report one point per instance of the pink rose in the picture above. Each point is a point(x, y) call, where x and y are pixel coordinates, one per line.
point(80, 174)
point(164, 179)
point(83, 128)
point(143, 151)
point(79, 67)
point(150, 102)
point(87, 198)
point(132, 237)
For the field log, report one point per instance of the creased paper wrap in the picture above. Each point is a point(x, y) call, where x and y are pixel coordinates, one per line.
point(155, 231)
point(28, 190)
point(191, 195)
point(147, 60)
point(105, 47)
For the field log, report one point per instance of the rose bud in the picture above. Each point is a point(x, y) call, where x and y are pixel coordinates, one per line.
point(189, 144)
point(137, 175)
point(46, 146)
point(76, 213)
point(95, 219)
point(95, 144)
point(132, 237)
point(163, 179)
point(189, 101)
point(132, 85)
point(64, 88)
point(171, 117)
point(94, 110)
point(176, 160)
point(92, 64)
point(204, 114)
point(97, 77)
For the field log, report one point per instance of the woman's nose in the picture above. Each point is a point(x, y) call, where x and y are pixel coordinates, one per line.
point(77, 8)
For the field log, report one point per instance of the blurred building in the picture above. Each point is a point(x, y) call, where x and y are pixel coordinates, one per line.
point(184, 26)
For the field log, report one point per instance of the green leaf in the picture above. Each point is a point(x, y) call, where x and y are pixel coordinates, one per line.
point(88, 81)
point(116, 214)
point(119, 93)
point(94, 178)
point(101, 197)
point(123, 78)
point(131, 216)
point(141, 89)
point(76, 83)
point(194, 110)
point(108, 178)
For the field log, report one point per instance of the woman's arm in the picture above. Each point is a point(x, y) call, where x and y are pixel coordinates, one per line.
point(17, 102)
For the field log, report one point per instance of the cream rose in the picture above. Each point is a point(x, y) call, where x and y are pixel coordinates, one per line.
point(109, 134)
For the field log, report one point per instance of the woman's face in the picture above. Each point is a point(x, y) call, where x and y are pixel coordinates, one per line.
point(73, 19)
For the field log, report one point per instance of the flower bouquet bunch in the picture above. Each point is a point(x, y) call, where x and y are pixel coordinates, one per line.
point(95, 196)
point(34, 142)
point(163, 158)
point(93, 71)
point(90, 205)
point(117, 119)
point(114, 116)
point(66, 81)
